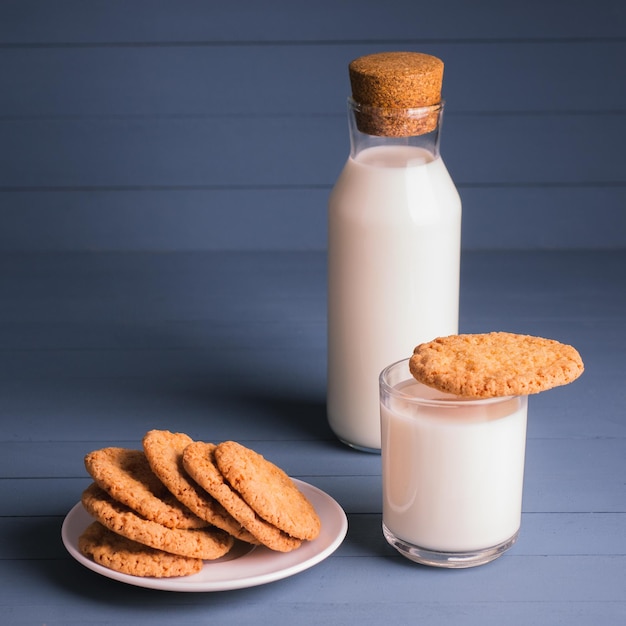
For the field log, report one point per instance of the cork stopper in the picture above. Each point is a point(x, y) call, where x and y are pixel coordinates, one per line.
point(389, 90)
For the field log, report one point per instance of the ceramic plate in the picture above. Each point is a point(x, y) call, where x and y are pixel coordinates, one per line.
point(244, 566)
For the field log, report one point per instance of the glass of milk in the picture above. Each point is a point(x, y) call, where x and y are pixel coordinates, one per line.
point(452, 471)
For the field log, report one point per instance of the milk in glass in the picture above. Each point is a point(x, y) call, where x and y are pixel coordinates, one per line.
point(453, 471)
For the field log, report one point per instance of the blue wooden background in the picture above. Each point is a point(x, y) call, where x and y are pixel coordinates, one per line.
point(204, 125)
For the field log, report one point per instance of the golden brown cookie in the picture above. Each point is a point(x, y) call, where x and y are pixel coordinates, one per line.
point(202, 543)
point(199, 461)
point(127, 477)
point(164, 451)
point(129, 557)
point(495, 364)
point(268, 490)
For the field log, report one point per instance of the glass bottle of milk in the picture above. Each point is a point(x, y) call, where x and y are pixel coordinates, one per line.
point(394, 237)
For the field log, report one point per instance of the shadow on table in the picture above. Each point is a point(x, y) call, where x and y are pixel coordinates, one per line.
point(61, 581)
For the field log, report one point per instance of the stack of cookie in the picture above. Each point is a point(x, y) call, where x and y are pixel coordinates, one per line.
point(164, 510)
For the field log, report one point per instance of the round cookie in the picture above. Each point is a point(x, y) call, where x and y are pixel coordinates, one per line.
point(127, 477)
point(268, 490)
point(494, 364)
point(129, 557)
point(199, 461)
point(203, 543)
point(164, 451)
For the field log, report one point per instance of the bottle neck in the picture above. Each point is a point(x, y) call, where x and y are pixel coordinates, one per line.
point(372, 126)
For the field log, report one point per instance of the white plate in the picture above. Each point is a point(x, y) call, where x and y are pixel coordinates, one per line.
point(244, 566)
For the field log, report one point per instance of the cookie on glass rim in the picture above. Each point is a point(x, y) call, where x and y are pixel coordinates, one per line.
point(495, 364)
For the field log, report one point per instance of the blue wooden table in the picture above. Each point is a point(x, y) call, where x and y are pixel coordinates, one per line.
point(96, 349)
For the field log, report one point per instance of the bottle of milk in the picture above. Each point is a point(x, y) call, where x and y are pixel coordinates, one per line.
point(394, 237)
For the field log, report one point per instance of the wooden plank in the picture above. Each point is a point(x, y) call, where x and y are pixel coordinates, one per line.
point(570, 217)
point(279, 608)
point(292, 279)
point(555, 285)
point(496, 218)
point(562, 476)
point(71, 21)
point(270, 80)
point(61, 458)
point(543, 534)
point(40, 497)
point(577, 588)
point(194, 286)
point(204, 289)
point(216, 364)
point(30, 538)
point(226, 219)
point(129, 406)
point(213, 331)
point(109, 385)
point(304, 152)
point(156, 352)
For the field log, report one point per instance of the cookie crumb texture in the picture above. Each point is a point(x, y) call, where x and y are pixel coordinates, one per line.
point(134, 493)
point(127, 477)
point(199, 461)
point(164, 450)
point(130, 557)
point(205, 543)
point(268, 490)
point(495, 364)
